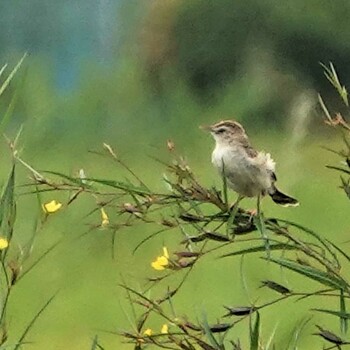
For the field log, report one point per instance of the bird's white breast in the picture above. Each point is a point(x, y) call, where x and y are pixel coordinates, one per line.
point(249, 176)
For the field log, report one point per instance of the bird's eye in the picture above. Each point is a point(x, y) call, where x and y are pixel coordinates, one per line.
point(221, 130)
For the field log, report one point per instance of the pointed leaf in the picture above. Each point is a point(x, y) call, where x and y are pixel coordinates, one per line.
point(257, 249)
point(255, 333)
point(343, 320)
point(312, 273)
point(341, 314)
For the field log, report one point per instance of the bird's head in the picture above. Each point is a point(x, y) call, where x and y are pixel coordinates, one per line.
point(226, 131)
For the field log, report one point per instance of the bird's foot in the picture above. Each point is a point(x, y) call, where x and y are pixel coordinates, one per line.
point(252, 213)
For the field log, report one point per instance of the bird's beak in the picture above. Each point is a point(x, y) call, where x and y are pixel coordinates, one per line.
point(206, 127)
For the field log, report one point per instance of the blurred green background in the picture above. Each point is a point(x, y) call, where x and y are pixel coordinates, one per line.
point(134, 74)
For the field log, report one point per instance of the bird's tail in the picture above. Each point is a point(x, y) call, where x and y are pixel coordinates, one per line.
point(282, 199)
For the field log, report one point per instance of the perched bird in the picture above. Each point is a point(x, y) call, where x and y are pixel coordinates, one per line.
point(248, 172)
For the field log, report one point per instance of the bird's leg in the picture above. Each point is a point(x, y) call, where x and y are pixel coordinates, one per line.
point(252, 213)
point(255, 212)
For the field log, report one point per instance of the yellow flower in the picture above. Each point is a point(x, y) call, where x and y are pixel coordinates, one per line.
point(164, 329)
point(162, 261)
point(52, 207)
point(3, 243)
point(105, 219)
point(148, 332)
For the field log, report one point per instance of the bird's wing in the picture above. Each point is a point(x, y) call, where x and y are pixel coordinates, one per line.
point(248, 149)
point(251, 152)
point(260, 159)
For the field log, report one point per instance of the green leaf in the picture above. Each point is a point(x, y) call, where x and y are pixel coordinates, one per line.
point(294, 339)
point(261, 248)
point(324, 108)
point(74, 180)
point(255, 333)
point(340, 314)
point(9, 111)
point(345, 186)
point(260, 224)
point(346, 256)
point(332, 77)
point(346, 171)
point(204, 345)
point(31, 323)
point(209, 333)
point(8, 207)
point(214, 236)
point(312, 273)
point(5, 84)
point(38, 260)
point(343, 320)
point(7, 195)
point(269, 341)
point(224, 184)
point(232, 216)
point(95, 344)
point(312, 233)
point(121, 186)
point(2, 69)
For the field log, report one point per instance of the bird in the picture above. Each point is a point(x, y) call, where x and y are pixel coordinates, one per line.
point(248, 172)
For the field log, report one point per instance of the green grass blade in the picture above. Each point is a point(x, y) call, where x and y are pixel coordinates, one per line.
point(345, 186)
point(346, 256)
point(7, 196)
point(293, 341)
point(324, 108)
point(334, 313)
point(312, 273)
point(260, 224)
point(224, 185)
point(231, 219)
point(338, 169)
point(269, 341)
point(8, 209)
point(244, 282)
point(7, 81)
point(74, 180)
point(312, 233)
point(32, 322)
point(204, 345)
point(255, 332)
point(9, 111)
point(332, 76)
point(2, 69)
point(95, 344)
point(38, 260)
point(343, 320)
point(121, 186)
point(261, 248)
point(209, 333)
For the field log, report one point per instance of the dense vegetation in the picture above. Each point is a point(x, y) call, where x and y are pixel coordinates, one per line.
point(103, 165)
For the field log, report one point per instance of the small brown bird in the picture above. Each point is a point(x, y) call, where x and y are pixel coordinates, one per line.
point(248, 172)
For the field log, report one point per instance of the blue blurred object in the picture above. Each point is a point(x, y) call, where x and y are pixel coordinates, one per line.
point(64, 32)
